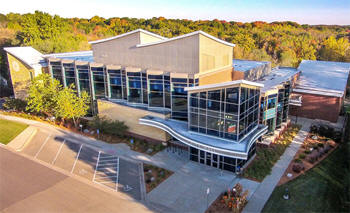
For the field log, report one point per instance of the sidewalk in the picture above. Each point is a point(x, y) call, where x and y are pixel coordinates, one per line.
point(266, 187)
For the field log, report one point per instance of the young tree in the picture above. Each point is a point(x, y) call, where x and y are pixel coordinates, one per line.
point(42, 94)
point(70, 106)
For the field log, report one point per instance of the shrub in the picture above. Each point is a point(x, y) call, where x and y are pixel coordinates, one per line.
point(298, 167)
point(313, 129)
point(15, 104)
point(107, 126)
point(307, 151)
point(320, 144)
point(302, 156)
point(297, 160)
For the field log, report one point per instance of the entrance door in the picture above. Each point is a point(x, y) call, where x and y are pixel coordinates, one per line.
point(201, 156)
point(208, 159)
point(215, 161)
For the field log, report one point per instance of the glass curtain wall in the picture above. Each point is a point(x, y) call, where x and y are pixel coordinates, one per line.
point(99, 82)
point(287, 90)
point(84, 79)
point(144, 88)
point(280, 108)
point(179, 98)
point(56, 69)
point(69, 72)
point(156, 90)
point(216, 112)
point(135, 94)
point(116, 84)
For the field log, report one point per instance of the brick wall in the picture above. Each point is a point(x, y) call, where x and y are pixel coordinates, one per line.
point(318, 107)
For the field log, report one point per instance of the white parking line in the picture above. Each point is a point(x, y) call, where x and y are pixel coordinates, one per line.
point(98, 158)
point(58, 152)
point(76, 159)
point(42, 146)
point(109, 160)
point(110, 156)
point(117, 180)
point(105, 177)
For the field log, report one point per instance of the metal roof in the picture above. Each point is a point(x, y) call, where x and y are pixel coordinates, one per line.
point(224, 84)
point(28, 55)
point(187, 35)
point(78, 56)
point(323, 77)
point(277, 77)
point(125, 34)
point(246, 65)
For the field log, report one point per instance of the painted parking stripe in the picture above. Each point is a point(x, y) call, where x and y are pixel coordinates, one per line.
point(58, 152)
point(105, 177)
point(76, 159)
point(110, 160)
point(98, 158)
point(42, 146)
point(117, 180)
point(106, 157)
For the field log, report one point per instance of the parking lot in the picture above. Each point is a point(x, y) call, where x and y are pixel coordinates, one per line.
point(102, 168)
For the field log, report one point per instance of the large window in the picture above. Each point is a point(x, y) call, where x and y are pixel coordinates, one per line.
point(98, 82)
point(56, 69)
point(135, 94)
point(116, 84)
point(179, 98)
point(217, 112)
point(69, 72)
point(156, 90)
point(84, 80)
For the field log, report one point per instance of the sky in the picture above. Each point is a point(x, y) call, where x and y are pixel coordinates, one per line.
point(300, 11)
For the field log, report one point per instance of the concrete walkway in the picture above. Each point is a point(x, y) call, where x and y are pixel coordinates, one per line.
point(265, 189)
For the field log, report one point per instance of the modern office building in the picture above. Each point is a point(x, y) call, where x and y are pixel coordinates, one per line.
point(186, 91)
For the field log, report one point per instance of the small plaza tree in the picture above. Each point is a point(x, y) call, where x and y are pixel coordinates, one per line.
point(70, 106)
point(47, 96)
point(42, 94)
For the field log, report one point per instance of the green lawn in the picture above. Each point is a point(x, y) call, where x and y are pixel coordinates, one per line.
point(9, 130)
point(321, 189)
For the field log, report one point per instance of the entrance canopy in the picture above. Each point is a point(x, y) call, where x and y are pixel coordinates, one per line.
point(220, 146)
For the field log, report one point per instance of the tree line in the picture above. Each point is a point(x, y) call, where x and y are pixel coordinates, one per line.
point(282, 43)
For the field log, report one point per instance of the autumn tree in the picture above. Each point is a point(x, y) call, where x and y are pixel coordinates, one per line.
point(42, 94)
point(71, 106)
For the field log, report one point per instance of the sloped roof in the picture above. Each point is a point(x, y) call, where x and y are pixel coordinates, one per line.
point(323, 77)
point(185, 36)
point(163, 39)
point(246, 65)
point(78, 56)
point(28, 55)
point(224, 84)
point(126, 34)
point(277, 76)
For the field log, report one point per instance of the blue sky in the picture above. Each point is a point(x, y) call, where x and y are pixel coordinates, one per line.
point(301, 11)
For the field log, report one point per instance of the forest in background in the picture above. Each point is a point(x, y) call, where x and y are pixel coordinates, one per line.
point(282, 43)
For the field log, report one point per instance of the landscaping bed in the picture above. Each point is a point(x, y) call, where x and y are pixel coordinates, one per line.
point(138, 145)
point(154, 176)
point(9, 130)
point(321, 189)
point(319, 143)
point(232, 200)
point(266, 157)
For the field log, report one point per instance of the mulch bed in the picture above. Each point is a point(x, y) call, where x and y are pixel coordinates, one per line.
point(307, 165)
point(157, 174)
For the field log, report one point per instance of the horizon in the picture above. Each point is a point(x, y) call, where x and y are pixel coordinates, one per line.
point(311, 12)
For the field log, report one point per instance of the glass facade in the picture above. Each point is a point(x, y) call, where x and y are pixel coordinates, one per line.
point(69, 74)
point(228, 113)
point(56, 70)
point(98, 79)
point(84, 78)
point(116, 84)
